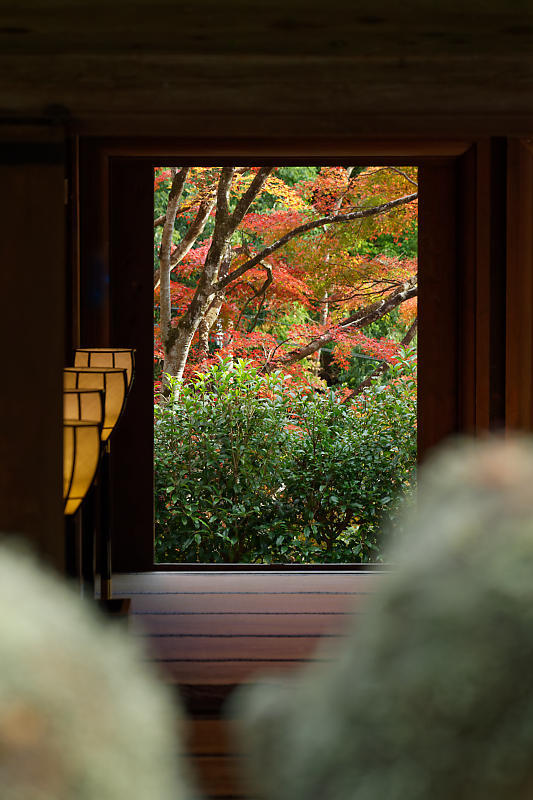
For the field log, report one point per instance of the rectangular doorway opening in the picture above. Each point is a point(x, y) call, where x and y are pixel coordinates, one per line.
point(285, 340)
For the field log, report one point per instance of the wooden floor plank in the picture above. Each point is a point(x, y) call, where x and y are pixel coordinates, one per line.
point(250, 603)
point(221, 672)
point(237, 648)
point(241, 624)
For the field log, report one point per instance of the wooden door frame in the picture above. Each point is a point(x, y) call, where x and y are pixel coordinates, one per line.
point(519, 329)
point(463, 350)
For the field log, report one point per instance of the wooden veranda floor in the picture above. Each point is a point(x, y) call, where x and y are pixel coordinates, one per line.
point(211, 631)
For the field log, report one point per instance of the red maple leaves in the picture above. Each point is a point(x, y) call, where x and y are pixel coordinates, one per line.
point(324, 274)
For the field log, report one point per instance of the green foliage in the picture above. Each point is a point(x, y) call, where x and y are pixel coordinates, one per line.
point(405, 246)
point(294, 175)
point(280, 323)
point(217, 465)
point(349, 469)
point(250, 470)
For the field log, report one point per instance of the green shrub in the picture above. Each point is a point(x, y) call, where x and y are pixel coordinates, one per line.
point(249, 469)
point(348, 470)
point(217, 465)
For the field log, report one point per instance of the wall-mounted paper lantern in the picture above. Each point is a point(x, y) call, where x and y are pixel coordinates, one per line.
point(111, 381)
point(122, 357)
point(81, 453)
point(86, 404)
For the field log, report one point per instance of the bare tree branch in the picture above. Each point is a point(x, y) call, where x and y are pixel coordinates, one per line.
point(375, 288)
point(220, 245)
point(404, 175)
point(195, 229)
point(178, 182)
point(207, 193)
point(256, 293)
point(218, 259)
point(338, 204)
point(193, 232)
point(201, 198)
point(383, 367)
point(158, 221)
point(270, 357)
point(375, 171)
point(262, 295)
point(384, 208)
point(360, 319)
point(249, 196)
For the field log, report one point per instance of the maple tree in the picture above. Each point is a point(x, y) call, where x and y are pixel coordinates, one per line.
point(274, 264)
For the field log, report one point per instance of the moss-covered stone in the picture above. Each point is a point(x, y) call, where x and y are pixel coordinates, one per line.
point(82, 716)
point(431, 695)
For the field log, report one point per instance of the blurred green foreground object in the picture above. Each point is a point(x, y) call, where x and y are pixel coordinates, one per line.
point(81, 716)
point(431, 695)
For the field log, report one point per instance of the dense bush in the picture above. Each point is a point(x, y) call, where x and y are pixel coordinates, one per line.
point(219, 449)
point(250, 469)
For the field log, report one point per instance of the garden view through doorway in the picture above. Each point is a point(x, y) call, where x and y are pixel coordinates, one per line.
point(285, 361)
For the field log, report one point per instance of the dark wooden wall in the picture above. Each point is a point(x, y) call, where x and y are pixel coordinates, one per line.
point(32, 259)
point(304, 70)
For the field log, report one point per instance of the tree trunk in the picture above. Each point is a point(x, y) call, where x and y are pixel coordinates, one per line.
point(176, 355)
point(178, 182)
point(212, 313)
point(324, 311)
point(177, 343)
point(206, 325)
point(203, 336)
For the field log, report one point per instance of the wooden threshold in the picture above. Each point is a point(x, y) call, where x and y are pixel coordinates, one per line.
point(208, 633)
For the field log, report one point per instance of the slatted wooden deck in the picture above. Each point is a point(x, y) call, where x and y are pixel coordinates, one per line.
point(210, 632)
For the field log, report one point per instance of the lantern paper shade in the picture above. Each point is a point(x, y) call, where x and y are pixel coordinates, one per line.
point(81, 452)
point(86, 404)
point(121, 357)
point(111, 381)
